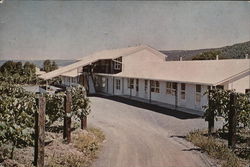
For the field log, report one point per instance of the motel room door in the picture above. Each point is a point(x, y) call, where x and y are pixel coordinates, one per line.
point(137, 87)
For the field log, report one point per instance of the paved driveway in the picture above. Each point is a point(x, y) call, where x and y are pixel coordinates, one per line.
point(141, 135)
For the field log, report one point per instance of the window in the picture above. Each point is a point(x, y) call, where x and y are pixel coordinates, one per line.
point(118, 63)
point(118, 84)
point(131, 83)
point(155, 86)
point(103, 82)
point(183, 91)
point(198, 94)
point(146, 86)
point(171, 88)
point(168, 87)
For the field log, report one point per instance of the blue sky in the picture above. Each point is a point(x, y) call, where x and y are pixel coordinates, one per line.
point(73, 29)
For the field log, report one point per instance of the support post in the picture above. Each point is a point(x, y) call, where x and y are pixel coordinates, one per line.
point(122, 86)
point(211, 115)
point(149, 91)
point(84, 122)
point(176, 96)
point(40, 132)
point(232, 121)
point(67, 120)
point(107, 79)
point(130, 89)
point(113, 85)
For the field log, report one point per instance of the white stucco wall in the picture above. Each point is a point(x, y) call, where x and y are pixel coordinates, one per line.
point(188, 102)
point(240, 85)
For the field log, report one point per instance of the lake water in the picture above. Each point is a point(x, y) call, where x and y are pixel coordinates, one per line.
point(39, 63)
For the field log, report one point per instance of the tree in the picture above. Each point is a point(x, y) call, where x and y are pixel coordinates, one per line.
point(19, 68)
point(54, 66)
point(210, 55)
point(8, 67)
point(47, 65)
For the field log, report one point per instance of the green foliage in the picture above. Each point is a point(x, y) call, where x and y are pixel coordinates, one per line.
point(17, 115)
point(54, 108)
point(220, 104)
point(55, 105)
point(236, 51)
point(80, 101)
point(210, 55)
point(18, 108)
point(49, 66)
point(16, 73)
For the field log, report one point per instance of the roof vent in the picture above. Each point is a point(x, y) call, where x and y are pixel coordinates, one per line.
point(246, 56)
point(217, 57)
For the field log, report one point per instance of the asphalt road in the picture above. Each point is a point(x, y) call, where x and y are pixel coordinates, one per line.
point(142, 135)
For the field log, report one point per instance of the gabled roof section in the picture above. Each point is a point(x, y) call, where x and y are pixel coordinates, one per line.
point(72, 73)
point(208, 72)
point(102, 55)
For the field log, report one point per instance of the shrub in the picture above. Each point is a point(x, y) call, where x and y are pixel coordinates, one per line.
point(80, 101)
point(215, 149)
point(54, 108)
point(17, 116)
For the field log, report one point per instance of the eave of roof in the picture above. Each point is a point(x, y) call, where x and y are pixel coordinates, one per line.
point(102, 55)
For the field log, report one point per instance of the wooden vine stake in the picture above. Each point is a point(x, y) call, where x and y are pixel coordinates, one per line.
point(40, 132)
point(67, 119)
point(232, 121)
point(84, 122)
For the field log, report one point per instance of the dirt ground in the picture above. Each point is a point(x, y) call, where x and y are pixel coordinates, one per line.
point(142, 135)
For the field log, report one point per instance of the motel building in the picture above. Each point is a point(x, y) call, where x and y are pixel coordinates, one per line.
point(142, 73)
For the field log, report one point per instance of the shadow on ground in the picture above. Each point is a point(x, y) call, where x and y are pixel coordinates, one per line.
point(151, 107)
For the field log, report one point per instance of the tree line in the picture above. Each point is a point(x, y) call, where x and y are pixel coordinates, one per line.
point(19, 73)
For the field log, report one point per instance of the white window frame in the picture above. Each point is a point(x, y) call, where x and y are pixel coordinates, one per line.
point(155, 86)
point(130, 83)
point(170, 88)
point(118, 63)
point(118, 84)
point(103, 82)
point(183, 91)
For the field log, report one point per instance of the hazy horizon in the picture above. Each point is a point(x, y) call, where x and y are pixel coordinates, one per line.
point(38, 30)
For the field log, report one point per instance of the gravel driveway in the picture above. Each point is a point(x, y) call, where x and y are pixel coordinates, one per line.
point(142, 135)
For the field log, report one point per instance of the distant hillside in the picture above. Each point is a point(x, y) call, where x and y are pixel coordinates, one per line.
point(236, 51)
point(39, 63)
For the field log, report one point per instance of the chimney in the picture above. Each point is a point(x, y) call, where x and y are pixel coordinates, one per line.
point(180, 58)
point(217, 57)
point(246, 56)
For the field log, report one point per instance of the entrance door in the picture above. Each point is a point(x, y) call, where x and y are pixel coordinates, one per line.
point(137, 87)
point(183, 94)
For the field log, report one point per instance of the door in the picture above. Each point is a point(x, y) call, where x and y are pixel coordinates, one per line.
point(137, 87)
